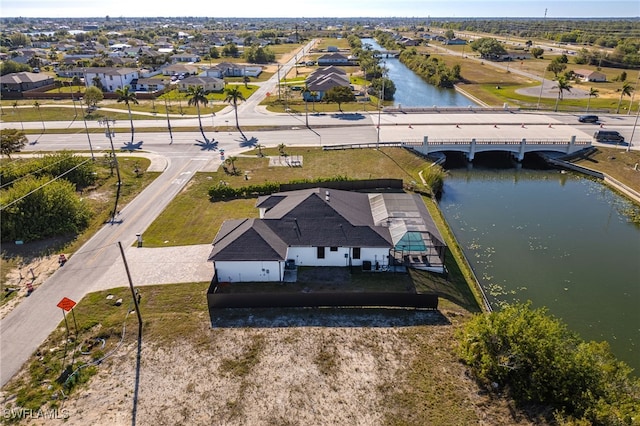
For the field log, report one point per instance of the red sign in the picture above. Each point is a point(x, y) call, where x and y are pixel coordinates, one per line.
point(66, 304)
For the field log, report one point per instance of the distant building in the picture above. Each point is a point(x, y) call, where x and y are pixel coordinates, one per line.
point(23, 81)
point(588, 75)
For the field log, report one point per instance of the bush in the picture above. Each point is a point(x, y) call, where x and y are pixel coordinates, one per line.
point(538, 360)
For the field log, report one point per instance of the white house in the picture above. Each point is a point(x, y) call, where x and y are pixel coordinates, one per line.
point(110, 78)
point(209, 84)
point(333, 59)
point(588, 75)
point(324, 227)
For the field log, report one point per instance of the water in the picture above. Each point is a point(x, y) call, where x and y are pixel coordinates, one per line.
point(413, 91)
point(556, 239)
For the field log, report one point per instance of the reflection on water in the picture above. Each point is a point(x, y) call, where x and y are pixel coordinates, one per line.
point(413, 91)
point(556, 239)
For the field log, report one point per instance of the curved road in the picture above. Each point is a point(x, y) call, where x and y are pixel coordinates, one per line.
point(90, 269)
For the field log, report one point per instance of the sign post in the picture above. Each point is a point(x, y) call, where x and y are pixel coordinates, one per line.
point(66, 305)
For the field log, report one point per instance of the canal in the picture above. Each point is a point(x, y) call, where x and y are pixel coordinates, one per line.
point(413, 91)
point(557, 239)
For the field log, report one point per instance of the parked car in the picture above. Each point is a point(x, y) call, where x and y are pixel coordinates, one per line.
point(608, 136)
point(588, 119)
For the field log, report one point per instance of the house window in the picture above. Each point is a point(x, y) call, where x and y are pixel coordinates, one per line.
point(356, 253)
point(333, 249)
point(320, 252)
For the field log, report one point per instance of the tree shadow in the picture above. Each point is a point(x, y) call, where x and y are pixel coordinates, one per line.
point(249, 143)
point(351, 117)
point(130, 146)
point(207, 145)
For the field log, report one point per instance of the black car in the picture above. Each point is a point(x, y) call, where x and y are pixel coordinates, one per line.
point(608, 136)
point(588, 119)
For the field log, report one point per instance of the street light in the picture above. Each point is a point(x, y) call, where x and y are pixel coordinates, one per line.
point(379, 103)
point(635, 123)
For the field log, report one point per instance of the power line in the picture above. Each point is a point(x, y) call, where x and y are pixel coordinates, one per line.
point(42, 186)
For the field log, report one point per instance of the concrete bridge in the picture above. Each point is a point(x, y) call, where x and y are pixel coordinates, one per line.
point(388, 53)
point(517, 147)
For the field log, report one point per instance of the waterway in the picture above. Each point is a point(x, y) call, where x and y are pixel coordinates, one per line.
point(556, 239)
point(413, 91)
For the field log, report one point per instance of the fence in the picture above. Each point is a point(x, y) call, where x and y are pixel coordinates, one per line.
point(316, 300)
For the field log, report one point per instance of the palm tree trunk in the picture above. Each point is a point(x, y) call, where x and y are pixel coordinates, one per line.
point(131, 120)
point(588, 103)
point(200, 122)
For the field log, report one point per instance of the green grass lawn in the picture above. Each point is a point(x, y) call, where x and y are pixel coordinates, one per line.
point(178, 225)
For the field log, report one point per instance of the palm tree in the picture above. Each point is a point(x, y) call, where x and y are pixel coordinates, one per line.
point(592, 92)
point(233, 95)
point(124, 95)
point(625, 90)
point(15, 108)
point(563, 84)
point(197, 96)
point(36, 104)
point(232, 161)
point(259, 147)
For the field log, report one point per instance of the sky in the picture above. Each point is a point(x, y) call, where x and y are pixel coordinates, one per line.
point(323, 8)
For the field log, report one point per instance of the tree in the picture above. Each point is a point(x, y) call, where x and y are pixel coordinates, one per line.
point(592, 92)
point(488, 47)
point(92, 96)
point(9, 67)
point(556, 67)
point(233, 95)
point(625, 90)
point(339, 94)
point(12, 140)
point(230, 49)
point(128, 97)
point(535, 358)
point(536, 52)
point(39, 208)
point(246, 80)
point(97, 82)
point(449, 34)
point(232, 160)
point(563, 84)
point(197, 96)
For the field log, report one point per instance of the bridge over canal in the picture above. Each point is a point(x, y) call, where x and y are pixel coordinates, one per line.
point(517, 147)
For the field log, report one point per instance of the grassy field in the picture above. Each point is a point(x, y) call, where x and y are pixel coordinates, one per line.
point(178, 226)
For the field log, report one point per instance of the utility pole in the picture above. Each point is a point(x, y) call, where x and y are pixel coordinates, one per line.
point(84, 119)
point(115, 159)
point(133, 291)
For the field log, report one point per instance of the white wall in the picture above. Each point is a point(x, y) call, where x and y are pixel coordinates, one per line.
point(308, 256)
point(249, 271)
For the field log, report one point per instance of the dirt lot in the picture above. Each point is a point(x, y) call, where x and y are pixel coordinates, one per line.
point(291, 367)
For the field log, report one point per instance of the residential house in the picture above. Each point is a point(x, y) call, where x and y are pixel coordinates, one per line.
point(321, 227)
point(454, 41)
point(111, 79)
point(588, 75)
point(227, 69)
point(209, 84)
point(185, 58)
point(23, 81)
point(177, 69)
point(324, 79)
point(333, 59)
point(150, 85)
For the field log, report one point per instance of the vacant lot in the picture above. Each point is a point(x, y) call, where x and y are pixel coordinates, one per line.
point(268, 366)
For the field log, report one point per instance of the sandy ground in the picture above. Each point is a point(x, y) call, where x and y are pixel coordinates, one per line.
point(34, 274)
point(302, 368)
